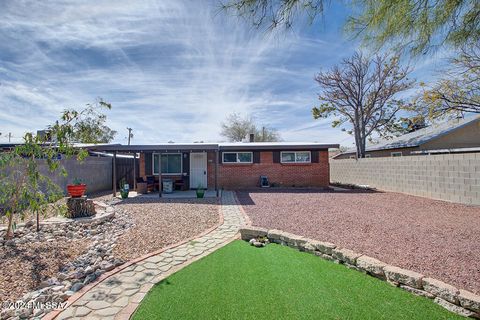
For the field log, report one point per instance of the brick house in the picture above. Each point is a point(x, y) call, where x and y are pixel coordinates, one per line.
point(232, 165)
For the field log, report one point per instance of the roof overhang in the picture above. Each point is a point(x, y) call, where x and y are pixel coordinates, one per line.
point(210, 147)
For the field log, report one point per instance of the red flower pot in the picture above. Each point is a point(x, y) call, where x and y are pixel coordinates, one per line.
point(76, 190)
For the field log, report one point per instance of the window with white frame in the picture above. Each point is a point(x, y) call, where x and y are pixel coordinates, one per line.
point(171, 163)
point(368, 156)
point(296, 157)
point(237, 157)
point(396, 154)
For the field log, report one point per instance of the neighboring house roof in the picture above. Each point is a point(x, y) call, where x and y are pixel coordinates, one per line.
point(419, 137)
point(286, 146)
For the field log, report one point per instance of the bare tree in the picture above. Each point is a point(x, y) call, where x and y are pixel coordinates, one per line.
point(360, 91)
point(236, 128)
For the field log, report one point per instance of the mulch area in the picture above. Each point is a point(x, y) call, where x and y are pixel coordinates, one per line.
point(24, 266)
point(436, 238)
point(162, 222)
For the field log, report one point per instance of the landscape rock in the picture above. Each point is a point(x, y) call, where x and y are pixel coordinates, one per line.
point(295, 241)
point(441, 289)
point(309, 247)
point(371, 266)
point(248, 233)
point(469, 300)
point(345, 256)
point(417, 292)
point(258, 244)
point(76, 287)
point(454, 308)
point(324, 247)
point(402, 276)
point(276, 236)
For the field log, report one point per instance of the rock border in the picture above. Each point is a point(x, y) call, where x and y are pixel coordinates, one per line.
point(459, 301)
point(130, 309)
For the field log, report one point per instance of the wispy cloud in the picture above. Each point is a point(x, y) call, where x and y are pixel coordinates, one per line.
point(172, 69)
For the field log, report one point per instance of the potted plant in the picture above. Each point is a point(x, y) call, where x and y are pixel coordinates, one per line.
point(77, 189)
point(124, 188)
point(200, 191)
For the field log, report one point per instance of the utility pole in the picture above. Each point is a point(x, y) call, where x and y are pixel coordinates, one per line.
point(263, 133)
point(9, 137)
point(130, 134)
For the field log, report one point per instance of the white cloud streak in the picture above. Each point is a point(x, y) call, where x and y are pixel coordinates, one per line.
point(172, 69)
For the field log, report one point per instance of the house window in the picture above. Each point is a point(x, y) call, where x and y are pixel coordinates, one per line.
point(237, 157)
point(367, 156)
point(171, 163)
point(296, 157)
point(396, 154)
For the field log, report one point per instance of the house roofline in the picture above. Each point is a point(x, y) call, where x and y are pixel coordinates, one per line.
point(213, 147)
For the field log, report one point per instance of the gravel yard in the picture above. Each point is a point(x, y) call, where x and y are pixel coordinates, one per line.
point(436, 238)
point(24, 266)
point(162, 222)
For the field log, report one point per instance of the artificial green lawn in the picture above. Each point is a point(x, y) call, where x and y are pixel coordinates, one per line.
point(239, 281)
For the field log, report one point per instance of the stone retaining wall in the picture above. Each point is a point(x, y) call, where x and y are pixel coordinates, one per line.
point(456, 300)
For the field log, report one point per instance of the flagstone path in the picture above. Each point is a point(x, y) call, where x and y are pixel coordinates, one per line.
point(117, 296)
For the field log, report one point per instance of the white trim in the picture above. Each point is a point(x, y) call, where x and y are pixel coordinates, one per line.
point(396, 154)
point(236, 153)
point(160, 164)
point(295, 157)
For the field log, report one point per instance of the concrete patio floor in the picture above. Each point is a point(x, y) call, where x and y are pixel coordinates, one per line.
point(187, 194)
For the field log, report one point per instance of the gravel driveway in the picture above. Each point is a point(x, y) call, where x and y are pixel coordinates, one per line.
point(437, 238)
point(162, 222)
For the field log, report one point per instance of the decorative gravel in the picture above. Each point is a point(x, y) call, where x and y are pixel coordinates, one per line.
point(162, 222)
point(24, 266)
point(436, 238)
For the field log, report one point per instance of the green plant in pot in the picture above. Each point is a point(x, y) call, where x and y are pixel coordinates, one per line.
point(124, 188)
point(200, 191)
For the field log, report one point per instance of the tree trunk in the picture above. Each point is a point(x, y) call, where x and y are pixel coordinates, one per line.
point(9, 234)
point(38, 221)
point(80, 207)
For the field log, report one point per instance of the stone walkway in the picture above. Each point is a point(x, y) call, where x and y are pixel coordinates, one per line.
point(118, 296)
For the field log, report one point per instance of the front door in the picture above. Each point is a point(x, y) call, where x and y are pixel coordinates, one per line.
point(198, 170)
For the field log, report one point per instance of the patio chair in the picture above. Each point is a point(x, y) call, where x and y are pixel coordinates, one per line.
point(150, 183)
point(180, 184)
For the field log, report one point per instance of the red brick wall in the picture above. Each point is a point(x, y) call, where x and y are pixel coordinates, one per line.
point(211, 170)
point(240, 176)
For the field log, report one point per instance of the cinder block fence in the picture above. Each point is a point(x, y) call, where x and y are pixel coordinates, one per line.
point(451, 177)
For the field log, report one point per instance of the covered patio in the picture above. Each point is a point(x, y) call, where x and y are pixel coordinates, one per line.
point(169, 170)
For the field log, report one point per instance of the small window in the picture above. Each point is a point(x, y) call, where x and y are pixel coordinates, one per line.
point(353, 157)
point(171, 163)
point(237, 157)
point(396, 154)
point(367, 156)
point(296, 157)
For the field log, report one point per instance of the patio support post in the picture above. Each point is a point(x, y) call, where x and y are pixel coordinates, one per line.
point(114, 174)
point(216, 172)
point(160, 175)
point(135, 171)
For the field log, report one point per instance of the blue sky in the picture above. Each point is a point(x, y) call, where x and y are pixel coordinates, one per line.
point(173, 70)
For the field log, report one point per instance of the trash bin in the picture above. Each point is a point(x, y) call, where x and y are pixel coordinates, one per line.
point(167, 185)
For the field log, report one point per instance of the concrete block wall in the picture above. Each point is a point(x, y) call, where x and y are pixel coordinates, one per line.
point(96, 172)
point(451, 177)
